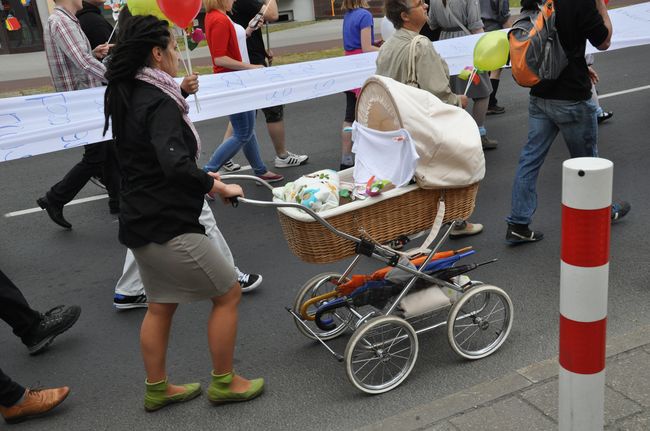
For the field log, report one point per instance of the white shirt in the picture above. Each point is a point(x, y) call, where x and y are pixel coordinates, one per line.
point(241, 41)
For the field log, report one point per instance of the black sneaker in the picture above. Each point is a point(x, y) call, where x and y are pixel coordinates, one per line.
point(488, 144)
point(53, 323)
point(619, 210)
point(231, 166)
point(604, 116)
point(248, 282)
point(520, 234)
point(495, 110)
point(126, 302)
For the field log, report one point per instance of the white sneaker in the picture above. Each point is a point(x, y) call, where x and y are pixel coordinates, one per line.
point(248, 282)
point(290, 160)
point(231, 166)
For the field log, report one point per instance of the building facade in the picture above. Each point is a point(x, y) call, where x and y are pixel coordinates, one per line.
point(309, 10)
point(324, 9)
point(21, 25)
point(22, 21)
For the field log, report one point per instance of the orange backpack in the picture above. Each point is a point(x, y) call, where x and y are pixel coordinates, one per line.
point(536, 53)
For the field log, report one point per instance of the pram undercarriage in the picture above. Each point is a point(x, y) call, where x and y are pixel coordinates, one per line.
point(384, 345)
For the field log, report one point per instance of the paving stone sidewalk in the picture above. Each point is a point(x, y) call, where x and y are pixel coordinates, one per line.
point(527, 398)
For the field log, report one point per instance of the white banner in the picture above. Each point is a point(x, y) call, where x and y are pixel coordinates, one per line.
point(51, 122)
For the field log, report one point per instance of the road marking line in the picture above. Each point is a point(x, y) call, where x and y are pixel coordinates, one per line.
point(98, 197)
point(618, 93)
point(74, 202)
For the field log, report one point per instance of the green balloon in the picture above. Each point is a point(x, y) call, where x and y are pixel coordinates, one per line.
point(146, 7)
point(491, 51)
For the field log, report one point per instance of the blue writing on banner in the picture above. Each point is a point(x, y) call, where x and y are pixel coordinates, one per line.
point(323, 87)
point(11, 155)
point(278, 96)
point(10, 124)
point(232, 80)
point(76, 140)
point(272, 74)
point(57, 107)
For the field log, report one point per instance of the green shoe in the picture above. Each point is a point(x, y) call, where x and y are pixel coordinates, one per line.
point(155, 398)
point(219, 392)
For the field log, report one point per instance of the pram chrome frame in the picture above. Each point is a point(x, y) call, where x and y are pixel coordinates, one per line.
point(376, 319)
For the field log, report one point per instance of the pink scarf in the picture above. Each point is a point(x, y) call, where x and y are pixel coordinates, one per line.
point(165, 83)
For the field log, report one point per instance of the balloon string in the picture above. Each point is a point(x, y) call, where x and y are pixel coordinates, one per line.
point(469, 81)
point(189, 69)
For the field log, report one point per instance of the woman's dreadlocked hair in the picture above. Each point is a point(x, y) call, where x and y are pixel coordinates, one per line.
point(138, 35)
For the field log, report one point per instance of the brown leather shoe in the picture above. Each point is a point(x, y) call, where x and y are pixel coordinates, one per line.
point(35, 403)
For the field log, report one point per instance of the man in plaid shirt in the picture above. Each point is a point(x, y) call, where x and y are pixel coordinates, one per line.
point(75, 66)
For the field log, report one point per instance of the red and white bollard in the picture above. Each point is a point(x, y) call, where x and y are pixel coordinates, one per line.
point(584, 277)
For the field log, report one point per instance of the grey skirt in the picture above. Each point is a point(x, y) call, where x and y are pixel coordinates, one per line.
point(483, 89)
point(190, 267)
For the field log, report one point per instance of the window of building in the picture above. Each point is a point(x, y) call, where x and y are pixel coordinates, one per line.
point(20, 26)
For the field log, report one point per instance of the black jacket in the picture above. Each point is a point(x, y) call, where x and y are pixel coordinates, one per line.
point(94, 25)
point(162, 189)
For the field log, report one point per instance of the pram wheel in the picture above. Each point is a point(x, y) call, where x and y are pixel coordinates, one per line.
point(318, 285)
point(381, 354)
point(480, 321)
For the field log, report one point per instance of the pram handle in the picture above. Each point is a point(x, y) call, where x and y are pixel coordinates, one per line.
point(272, 204)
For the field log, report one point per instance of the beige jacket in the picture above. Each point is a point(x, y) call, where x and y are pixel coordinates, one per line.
point(432, 71)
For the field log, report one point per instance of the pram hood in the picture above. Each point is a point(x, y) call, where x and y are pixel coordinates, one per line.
point(446, 137)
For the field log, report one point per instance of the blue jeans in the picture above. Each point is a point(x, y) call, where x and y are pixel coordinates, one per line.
point(243, 138)
point(546, 117)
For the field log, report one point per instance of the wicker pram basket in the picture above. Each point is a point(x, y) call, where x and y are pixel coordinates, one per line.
point(403, 211)
point(388, 218)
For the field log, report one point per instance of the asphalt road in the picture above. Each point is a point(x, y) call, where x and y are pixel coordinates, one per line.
point(307, 389)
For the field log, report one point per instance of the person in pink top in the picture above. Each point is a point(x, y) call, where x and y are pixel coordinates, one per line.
point(227, 44)
point(358, 37)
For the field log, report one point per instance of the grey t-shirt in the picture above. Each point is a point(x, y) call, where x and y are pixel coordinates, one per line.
point(468, 12)
point(494, 13)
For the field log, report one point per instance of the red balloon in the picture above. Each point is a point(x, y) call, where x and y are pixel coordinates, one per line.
point(180, 12)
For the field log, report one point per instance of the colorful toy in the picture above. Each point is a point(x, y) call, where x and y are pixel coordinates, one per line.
point(467, 72)
point(373, 188)
point(318, 191)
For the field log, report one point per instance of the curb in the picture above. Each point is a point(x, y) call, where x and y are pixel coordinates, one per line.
point(427, 414)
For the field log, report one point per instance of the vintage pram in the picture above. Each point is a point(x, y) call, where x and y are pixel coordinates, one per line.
point(383, 309)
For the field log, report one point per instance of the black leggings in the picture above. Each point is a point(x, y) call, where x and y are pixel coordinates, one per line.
point(350, 107)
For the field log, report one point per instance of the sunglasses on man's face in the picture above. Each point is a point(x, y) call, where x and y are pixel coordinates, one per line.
point(420, 3)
